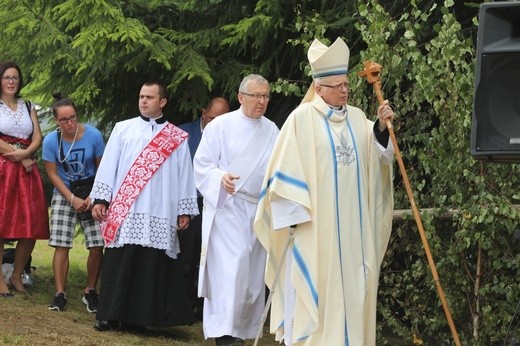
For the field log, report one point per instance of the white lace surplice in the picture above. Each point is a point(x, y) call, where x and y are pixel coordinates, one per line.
point(152, 220)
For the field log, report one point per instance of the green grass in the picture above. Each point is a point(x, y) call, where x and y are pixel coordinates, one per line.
point(25, 320)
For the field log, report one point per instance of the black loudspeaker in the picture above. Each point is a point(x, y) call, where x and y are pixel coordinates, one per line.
point(495, 130)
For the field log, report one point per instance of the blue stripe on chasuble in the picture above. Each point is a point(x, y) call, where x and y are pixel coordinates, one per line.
point(336, 190)
point(360, 204)
point(305, 271)
point(285, 178)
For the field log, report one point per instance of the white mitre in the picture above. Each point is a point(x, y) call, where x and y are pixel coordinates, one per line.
point(327, 61)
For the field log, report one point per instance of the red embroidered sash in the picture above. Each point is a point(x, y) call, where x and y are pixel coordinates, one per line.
point(142, 170)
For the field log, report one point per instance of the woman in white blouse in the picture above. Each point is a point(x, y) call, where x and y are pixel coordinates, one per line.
point(23, 211)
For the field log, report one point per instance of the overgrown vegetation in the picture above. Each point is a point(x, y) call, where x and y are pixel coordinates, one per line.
point(430, 82)
point(100, 51)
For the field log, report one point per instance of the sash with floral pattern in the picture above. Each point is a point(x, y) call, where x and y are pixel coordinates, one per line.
point(145, 165)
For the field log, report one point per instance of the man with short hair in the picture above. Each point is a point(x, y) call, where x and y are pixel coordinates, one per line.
point(144, 194)
point(229, 165)
point(330, 181)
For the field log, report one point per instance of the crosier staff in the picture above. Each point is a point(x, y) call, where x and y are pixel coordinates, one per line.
point(371, 73)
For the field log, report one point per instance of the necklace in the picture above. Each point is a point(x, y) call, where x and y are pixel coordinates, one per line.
point(70, 148)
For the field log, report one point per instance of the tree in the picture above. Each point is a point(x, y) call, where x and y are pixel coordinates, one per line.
point(100, 52)
point(431, 85)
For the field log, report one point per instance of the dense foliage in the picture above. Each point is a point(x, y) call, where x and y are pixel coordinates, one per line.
point(431, 85)
point(100, 51)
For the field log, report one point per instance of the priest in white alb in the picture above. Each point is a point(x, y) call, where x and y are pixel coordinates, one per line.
point(229, 167)
point(329, 180)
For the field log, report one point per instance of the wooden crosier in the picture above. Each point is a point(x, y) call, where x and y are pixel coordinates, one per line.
point(371, 73)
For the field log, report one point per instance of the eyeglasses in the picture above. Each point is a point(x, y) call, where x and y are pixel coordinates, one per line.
point(257, 96)
point(337, 86)
point(10, 79)
point(64, 121)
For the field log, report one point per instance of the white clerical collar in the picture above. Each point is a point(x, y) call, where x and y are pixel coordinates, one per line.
point(337, 114)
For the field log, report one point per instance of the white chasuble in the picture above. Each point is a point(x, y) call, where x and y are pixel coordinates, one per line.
point(333, 180)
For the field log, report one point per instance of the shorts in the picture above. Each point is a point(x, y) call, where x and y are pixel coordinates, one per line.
point(63, 225)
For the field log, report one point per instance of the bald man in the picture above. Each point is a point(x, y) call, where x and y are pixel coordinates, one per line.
point(216, 106)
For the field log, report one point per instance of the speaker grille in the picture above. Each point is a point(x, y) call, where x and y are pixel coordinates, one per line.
point(497, 103)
